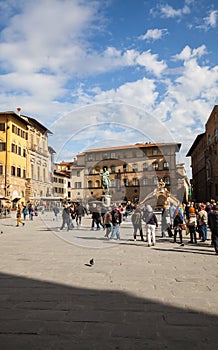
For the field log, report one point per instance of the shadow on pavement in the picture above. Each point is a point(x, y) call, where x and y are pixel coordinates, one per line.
point(188, 250)
point(42, 315)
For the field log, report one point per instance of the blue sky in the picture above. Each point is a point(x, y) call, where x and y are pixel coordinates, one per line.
point(109, 72)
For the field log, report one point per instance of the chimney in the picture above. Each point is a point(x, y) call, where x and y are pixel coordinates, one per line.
point(18, 110)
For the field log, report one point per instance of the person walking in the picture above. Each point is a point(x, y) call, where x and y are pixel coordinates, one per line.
point(79, 212)
point(108, 222)
point(192, 225)
point(202, 223)
point(151, 224)
point(56, 212)
point(116, 221)
point(136, 219)
point(65, 217)
point(19, 211)
point(177, 225)
point(213, 225)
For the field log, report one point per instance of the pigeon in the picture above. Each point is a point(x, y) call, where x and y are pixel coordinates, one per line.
point(1, 232)
point(91, 262)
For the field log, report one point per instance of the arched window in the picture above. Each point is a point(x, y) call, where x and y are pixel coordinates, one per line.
point(155, 165)
point(135, 181)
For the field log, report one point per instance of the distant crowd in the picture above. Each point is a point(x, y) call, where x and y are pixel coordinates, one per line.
point(192, 219)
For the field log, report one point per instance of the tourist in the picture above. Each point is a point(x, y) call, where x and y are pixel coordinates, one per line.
point(65, 217)
point(19, 210)
point(56, 212)
point(192, 225)
point(151, 223)
point(108, 223)
point(202, 223)
point(136, 219)
point(177, 225)
point(213, 224)
point(116, 221)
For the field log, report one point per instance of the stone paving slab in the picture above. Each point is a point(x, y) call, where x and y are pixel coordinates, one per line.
point(134, 297)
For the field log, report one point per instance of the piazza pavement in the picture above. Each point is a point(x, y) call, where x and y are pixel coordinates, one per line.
point(133, 297)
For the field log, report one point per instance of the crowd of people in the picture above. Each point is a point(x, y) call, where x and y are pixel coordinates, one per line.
point(191, 219)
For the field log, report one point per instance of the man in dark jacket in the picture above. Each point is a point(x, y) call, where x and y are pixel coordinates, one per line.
point(213, 224)
point(65, 217)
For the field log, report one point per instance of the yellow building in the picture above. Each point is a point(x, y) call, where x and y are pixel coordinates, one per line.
point(13, 155)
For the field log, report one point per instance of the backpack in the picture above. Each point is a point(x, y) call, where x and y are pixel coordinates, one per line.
point(136, 218)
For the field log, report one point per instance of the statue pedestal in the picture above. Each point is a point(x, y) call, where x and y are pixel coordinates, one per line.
point(106, 200)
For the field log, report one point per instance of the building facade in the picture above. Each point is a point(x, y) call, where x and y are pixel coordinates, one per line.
point(204, 161)
point(24, 158)
point(13, 155)
point(135, 171)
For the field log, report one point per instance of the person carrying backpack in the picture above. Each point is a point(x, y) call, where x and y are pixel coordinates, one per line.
point(136, 219)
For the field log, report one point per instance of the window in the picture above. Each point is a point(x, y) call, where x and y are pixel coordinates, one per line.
point(68, 184)
point(135, 167)
point(13, 148)
point(90, 157)
point(155, 165)
point(19, 172)
point(19, 150)
point(135, 182)
point(78, 173)
point(97, 183)
point(89, 184)
point(2, 146)
point(24, 173)
point(2, 126)
point(113, 169)
point(124, 168)
point(154, 152)
point(78, 184)
point(166, 165)
point(13, 128)
point(145, 181)
point(155, 180)
point(24, 153)
point(68, 194)
point(145, 166)
point(113, 155)
point(1, 169)
point(13, 171)
point(125, 182)
point(167, 180)
point(105, 156)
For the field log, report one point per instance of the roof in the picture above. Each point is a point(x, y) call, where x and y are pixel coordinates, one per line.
point(135, 146)
point(16, 116)
point(195, 143)
point(37, 124)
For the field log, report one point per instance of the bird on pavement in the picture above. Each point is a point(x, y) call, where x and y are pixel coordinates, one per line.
point(91, 262)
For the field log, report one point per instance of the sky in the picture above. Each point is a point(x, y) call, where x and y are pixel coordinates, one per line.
point(101, 73)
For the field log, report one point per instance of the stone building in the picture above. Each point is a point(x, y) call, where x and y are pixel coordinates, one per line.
point(134, 170)
point(204, 161)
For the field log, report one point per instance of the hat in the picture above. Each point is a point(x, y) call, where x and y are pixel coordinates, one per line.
point(191, 210)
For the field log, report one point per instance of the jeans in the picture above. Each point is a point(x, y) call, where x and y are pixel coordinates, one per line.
point(203, 231)
point(192, 230)
point(115, 232)
point(179, 230)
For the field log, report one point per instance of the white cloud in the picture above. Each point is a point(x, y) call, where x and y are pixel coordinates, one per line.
point(153, 34)
point(188, 53)
point(168, 11)
point(211, 19)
